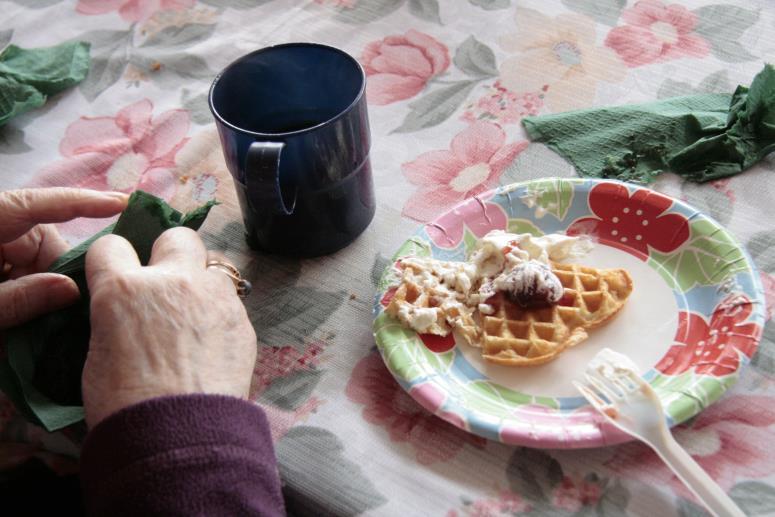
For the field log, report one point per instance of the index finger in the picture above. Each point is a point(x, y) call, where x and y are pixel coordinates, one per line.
point(20, 210)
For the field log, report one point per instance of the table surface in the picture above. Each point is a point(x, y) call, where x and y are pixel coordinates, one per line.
point(449, 82)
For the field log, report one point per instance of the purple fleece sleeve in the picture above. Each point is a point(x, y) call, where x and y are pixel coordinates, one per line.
point(182, 455)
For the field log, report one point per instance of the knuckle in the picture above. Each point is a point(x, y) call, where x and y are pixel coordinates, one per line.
point(15, 200)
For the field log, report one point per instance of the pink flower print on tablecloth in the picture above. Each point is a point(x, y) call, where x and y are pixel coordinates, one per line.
point(635, 222)
point(730, 440)
point(506, 503)
point(713, 348)
point(398, 67)
point(656, 32)
point(503, 106)
point(574, 494)
point(473, 164)
point(129, 151)
point(387, 405)
point(132, 10)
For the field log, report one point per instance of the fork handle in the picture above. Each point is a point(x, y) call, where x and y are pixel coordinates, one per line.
point(695, 478)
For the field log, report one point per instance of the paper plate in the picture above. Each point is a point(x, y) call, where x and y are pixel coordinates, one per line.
point(693, 320)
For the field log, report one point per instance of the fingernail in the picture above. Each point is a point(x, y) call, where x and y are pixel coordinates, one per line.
point(117, 195)
point(62, 291)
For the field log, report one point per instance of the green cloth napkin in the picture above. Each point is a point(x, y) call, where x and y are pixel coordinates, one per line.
point(28, 76)
point(701, 137)
point(41, 372)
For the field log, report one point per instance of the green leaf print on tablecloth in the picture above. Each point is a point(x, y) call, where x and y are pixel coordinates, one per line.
point(723, 26)
point(533, 474)
point(754, 497)
point(109, 60)
point(291, 391)
point(435, 107)
point(717, 82)
point(315, 458)
point(475, 59)
point(236, 4)
point(603, 11)
point(709, 257)
point(427, 10)
point(180, 37)
point(491, 5)
point(404, 352)
point(289, 314)
point(472, 57)
point(159, 58)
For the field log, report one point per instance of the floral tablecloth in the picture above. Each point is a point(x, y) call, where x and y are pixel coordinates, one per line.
point(448, 83)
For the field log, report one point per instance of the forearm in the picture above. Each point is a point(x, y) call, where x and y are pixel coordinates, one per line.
point(183, 455)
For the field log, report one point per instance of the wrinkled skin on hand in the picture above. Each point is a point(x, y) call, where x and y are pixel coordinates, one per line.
point(29, 245)
point(171, 327)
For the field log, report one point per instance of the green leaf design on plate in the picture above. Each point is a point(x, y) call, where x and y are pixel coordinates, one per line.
point(404, 352)
point(687, 394)
point(524, 226)
point(710, 257)
point(496, 400)
point(554, 196)
point(470, 240)
point(415, 247)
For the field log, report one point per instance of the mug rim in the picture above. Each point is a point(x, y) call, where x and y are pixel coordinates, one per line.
point(326, 122)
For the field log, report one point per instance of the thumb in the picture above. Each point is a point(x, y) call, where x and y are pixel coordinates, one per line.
point(31, 296)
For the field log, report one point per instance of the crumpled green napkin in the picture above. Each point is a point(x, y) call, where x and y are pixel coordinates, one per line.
point(701, 137)
point(28, 76)
point(41, 372)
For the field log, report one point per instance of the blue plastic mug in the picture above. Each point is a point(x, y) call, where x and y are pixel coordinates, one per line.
point(295, 134)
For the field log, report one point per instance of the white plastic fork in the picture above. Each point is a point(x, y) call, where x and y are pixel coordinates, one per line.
point(627, 401)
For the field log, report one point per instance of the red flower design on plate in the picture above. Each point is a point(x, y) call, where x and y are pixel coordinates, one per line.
point(633, 222)
point(729, 441)
point(713, 348)
point(132, 10)
point(477, 215)
point(656, 32)
point(399, 67)
point(131, 150)
point(473, 164)
point(387, 405)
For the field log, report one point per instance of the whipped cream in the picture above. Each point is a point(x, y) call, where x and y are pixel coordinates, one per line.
point(517, 264)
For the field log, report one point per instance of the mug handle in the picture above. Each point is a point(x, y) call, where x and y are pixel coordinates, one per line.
point(262, 177)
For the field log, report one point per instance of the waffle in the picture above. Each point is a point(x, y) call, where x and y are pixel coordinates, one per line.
point(517, 336)
point(411, 296)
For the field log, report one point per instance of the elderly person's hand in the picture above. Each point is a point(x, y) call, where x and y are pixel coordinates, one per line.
point(28, 247)
point(171, 327)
